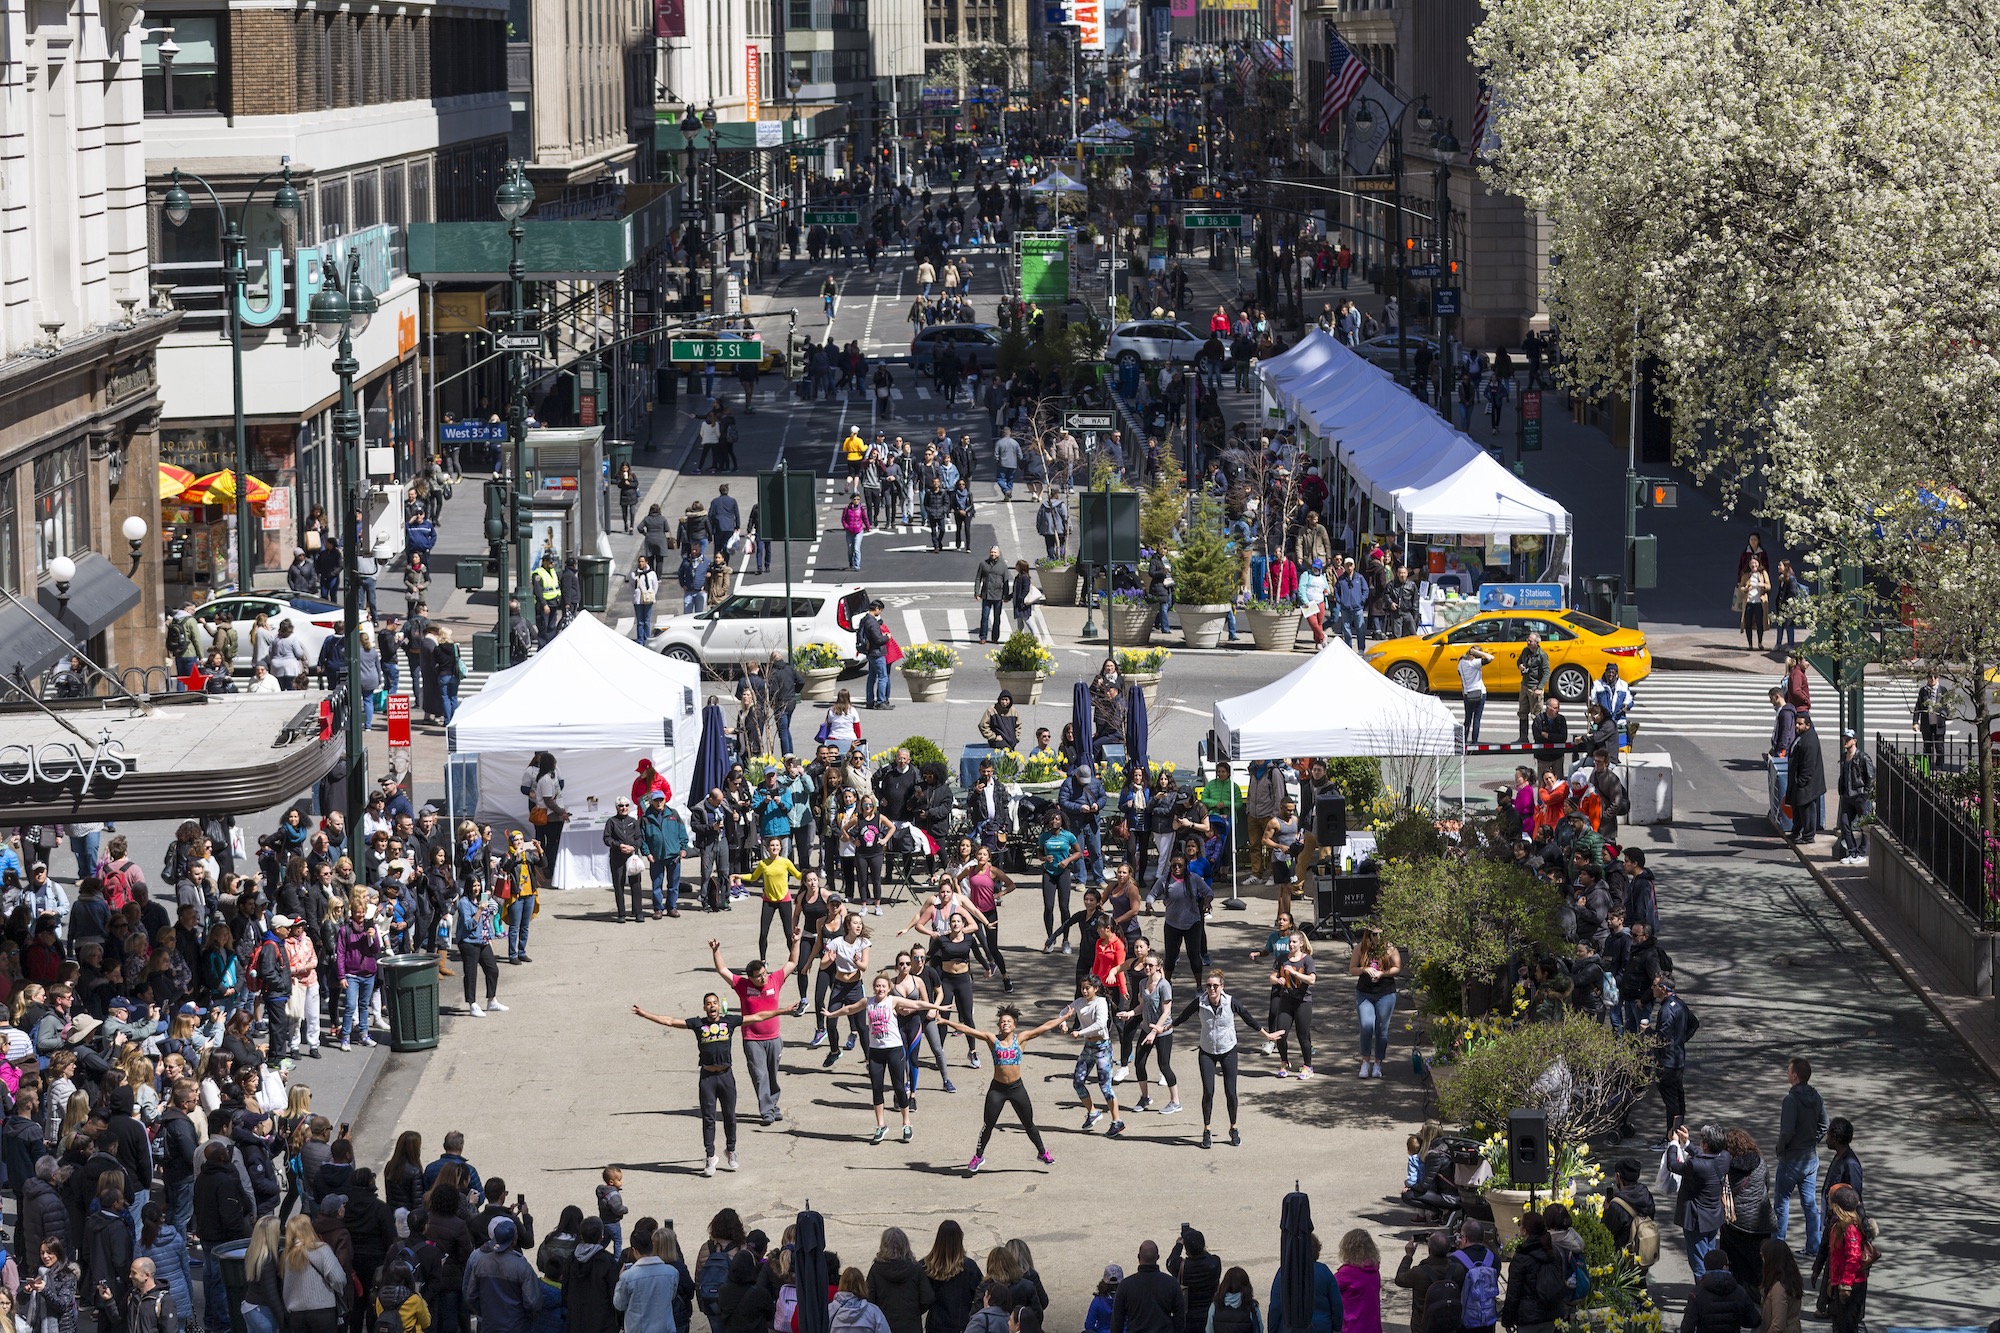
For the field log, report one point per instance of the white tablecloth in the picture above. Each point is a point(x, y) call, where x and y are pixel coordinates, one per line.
point(584, 861)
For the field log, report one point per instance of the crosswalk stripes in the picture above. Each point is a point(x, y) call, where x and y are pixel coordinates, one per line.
point(960, 627)
point(1732, 705)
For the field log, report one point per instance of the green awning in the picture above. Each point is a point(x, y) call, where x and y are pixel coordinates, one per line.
point(736, 136)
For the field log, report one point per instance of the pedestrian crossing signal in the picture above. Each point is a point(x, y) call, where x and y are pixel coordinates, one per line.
point(1664, 495)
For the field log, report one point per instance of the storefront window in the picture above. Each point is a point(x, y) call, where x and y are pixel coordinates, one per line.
point(10, 535)
point(62, 504)
point(192, 81)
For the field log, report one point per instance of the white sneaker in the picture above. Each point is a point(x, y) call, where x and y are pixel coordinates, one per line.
point(494, 1006)
point(729, 1162)
point(1171, 1108)
point(477, 1012)
point(1121, 1074)
point(709, 1170)
point(1270, 1048)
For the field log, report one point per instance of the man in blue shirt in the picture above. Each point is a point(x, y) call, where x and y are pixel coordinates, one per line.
point(1350, 597)
point(1081, 798)
point(454, 1151)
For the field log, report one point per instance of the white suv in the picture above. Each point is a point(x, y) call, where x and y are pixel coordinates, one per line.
point(750, 624)
point(1151, 341)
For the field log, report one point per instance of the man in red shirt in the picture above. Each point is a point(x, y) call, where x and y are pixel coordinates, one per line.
point(760, 993)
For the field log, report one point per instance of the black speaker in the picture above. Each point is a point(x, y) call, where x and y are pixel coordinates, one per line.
point(1330, 819)
point(1528, 1147)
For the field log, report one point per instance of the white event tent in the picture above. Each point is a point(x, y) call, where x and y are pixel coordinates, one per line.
point(1334, 705)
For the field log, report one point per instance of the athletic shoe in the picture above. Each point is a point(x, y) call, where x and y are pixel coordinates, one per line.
point(1364, 1067)
point(1145, 1104)
point(1235, 1139)
point(1045, 1157)
point(949, 1086)
point(1306, 1072)
point(909, 1132)
point(1285, 1071)
point(972, 1167)
point(1171, 1108)
point(1066, 949)
point(1121, 1074)
point(1117, 1128)
point(850, 1043)
point(1207, 1139)
point(799, 1009)
point(881, 1132)
point(819, 1040)
point(1092, 1117)
point(477, 1012)
point(975, 1059)
point(1270, 1048)
point(709, 1170)
point(367, 1040)
point(343, 1043)
point(493, 1006)
point(832, 1057)
point(729, 1161)
point(1007, 985)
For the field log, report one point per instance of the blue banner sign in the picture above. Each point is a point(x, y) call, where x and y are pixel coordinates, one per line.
point(1521, 597)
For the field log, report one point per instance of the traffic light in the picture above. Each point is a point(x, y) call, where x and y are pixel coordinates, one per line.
point(524, 517)
point(496, 513)
point(798, 348)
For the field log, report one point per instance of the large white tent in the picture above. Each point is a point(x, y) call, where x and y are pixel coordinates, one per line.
point(1334, 705)
point(599, 703)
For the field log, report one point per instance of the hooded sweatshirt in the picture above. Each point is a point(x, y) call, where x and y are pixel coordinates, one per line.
point(900, 1289)
point(849, 1313)
point(589, 1283)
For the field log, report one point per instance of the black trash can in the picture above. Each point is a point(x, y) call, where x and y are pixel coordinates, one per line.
point(471, 573)
point(485, 651)
point(410, 998)
point(235, 1281)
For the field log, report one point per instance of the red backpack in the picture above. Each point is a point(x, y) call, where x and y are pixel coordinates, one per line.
point(117, 884)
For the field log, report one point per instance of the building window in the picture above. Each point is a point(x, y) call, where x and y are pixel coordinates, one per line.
point(62, 504)
point(392, 195)
point(367, 207)
point(192, 80)
point(332, 209)
point(420, 191)
point(10, 536)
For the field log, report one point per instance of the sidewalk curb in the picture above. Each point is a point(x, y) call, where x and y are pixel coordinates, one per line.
point(364, 1086)
point(1661, 663)
point(1988, 1060)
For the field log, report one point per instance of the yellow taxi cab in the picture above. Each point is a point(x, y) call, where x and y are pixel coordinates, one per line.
point(1579, 646)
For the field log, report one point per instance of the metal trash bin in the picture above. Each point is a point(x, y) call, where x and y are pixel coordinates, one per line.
point(230, 1255)
point(410, 998)
point(471, 573)
point(620, 455)
point(594, 574)
point(1600, 595)
point(485, 652)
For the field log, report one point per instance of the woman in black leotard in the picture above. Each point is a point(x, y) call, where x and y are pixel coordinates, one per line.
point(1006, 1089)
point(813, 909)
point(953, 955)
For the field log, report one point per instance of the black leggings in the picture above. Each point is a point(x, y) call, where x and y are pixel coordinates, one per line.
point(1162, 1046)
point(1208, 1065)
point(476, 958)
point(783, 911)
point(958, 992)
point(1753, 621)
point(889, 1062)
point(718, 1090)
point(1294, 1013)
point(847, 864)
point(1055, 892)
point(840, 994)
point(1013, 1094)
point(1195, 937)
point(989, 939)
point(806, 967)
point(871, 874)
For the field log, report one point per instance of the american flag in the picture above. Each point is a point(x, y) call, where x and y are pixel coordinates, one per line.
point(1345, 73)
point(1480, 111)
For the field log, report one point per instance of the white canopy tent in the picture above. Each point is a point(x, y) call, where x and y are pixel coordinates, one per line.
point(1335, 705)
point(1057, 183)
point(599, 703)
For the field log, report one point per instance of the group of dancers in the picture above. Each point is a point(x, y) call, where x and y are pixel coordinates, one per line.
point(1122, 1015)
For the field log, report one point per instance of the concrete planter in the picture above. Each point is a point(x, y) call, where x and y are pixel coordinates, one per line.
point(1025, 686)
point(1149, 683)
point(1059, 583)
point(1203, 625)
point(822, 683)
point(1508, 1205)
point(1275, 631)
point(926, 687)
point(1131, 623)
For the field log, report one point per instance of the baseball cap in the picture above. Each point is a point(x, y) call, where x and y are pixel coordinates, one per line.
point(283, 922)
point(501, 1231)
point(1113, 1274)
point(189, 1011)
point(1848, 734)
point(120, 1002)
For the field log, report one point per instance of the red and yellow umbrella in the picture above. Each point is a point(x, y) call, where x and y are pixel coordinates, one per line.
point(174, 481)
point(219, 488)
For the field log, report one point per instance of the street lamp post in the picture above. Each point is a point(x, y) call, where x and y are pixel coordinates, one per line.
point(235, 279)
point(718, 255)
point(1446, 144)
point(339, 312)
point(690, 125)
point(1364, 120)
point(512, 201)
point(797, 175)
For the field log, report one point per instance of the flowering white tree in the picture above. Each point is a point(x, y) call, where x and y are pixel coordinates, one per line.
point(1787, 206)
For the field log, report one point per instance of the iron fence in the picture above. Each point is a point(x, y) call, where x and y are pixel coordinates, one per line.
point(1915, 801)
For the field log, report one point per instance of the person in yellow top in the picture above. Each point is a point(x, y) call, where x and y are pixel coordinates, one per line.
point(398, 1292)
point(777, 874)
point(548, 597)
point(852, 450)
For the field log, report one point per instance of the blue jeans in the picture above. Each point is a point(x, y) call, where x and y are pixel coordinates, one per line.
point(1092, 837)
point(642, 621)
point(520, 913)
point(763, 555)
point(666, 873)
point(368, 592)
point(1349, 625)
point(1801, 1174)
point(878, 678)
point(392, 675)
point(213, 1294)
point(448, 687)
point(1375, 1011)
point(1005, 480)
point(360, 990)
point(368, 710)
point(854, 550)
point(785, 728)
point(84, 845)
point(1700, 1245)
point(180, 1202)
point(1475, 707)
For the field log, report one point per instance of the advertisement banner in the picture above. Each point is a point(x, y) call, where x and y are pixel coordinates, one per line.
point(399, 721)
point(670, 18)
point(753, 84)
point(1184, 9)
point(1088, 16)
point(1044, 268)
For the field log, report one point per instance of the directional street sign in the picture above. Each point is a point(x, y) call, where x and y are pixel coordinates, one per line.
point(715, 349)
point(1423, 270)
point(1089, 420)
point(833, 217)
point(1211, 222)
point(1111, 149)
point(520, 342)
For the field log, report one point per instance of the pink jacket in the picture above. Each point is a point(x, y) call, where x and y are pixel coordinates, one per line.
point(1360, 1298)
point(854, 518)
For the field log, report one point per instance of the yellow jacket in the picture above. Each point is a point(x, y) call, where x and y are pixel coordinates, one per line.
point(852, 447)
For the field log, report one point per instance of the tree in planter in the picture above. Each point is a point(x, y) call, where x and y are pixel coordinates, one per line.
point(1572, 1068)
point(1465, 918)
point(1161, 505)
point(1206, 571)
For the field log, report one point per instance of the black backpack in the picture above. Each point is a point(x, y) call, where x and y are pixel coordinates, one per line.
point(708, 1282)
point(177, 636)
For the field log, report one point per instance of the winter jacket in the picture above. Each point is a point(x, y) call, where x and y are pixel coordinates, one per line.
point(501, 1290)
point(178, 1147)
point(849, 1313)
point(107, 1255)
point(221, 1205)
point(662, 834)
point(332, 1233)
point(169, 1253)
point(1148, 1301)
point(1326, 1316)
point(317, 1284)
point(356, 947)
point(1524, 1304)
point(43, 1217)
point(899, 1288)
point(1360, 1298)
point(257, 1161)
point(589, 1281)
point(1720, 1304)
point(987, 1319)
point(371, 1229)
point(951, 1304)
point(747, 1305)
point(645, 1292)
point(1801, 1122)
